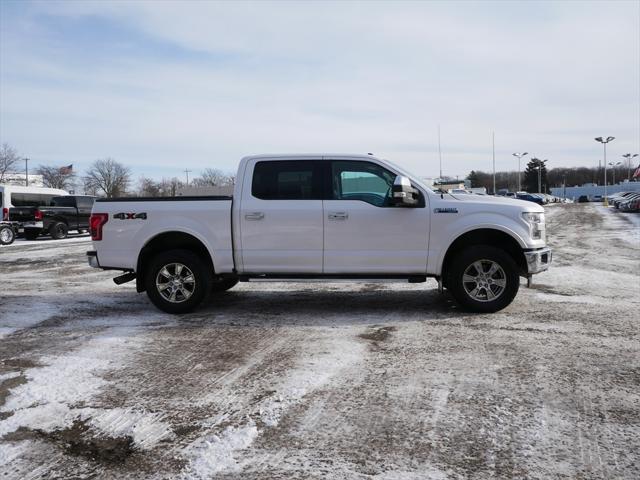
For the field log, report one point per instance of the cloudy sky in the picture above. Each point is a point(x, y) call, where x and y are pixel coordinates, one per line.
point(164, 86)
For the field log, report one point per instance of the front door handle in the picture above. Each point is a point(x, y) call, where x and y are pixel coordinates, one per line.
point(338, 215)
point(254, 216)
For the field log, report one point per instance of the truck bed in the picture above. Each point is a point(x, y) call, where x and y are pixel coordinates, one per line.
point(135, 222)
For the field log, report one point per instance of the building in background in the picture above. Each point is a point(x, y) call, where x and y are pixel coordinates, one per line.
point(20, 179)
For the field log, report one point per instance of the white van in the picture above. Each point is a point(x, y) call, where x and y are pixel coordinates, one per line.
point(16, 196)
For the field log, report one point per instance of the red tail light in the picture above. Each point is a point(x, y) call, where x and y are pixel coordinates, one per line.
point(96, 223)
point(38, 215)
point(5, 214)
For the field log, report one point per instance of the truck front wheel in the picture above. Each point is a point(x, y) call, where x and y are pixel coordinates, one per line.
point(177, 281)
point(483, 279)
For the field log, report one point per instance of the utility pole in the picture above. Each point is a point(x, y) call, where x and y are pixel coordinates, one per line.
point(493, 145)
point(187, 172)
point(26, 171)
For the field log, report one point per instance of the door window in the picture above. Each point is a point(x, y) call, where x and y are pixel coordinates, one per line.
point(287, 180)
point(364, 181)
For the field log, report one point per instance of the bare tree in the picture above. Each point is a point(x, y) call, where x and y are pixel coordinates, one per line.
point(170, 186)
point(148, 187)
point(56, 177)
point(8, 159)
point(107, 177)
point(212, 177)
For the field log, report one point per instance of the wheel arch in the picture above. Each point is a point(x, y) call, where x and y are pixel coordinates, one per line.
point(486, 236)
point(169, 241)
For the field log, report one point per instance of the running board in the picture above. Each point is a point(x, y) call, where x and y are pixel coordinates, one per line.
point(258, 277)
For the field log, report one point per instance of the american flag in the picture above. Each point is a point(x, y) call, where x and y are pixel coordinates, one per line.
point(68, 170)
point(636, 174)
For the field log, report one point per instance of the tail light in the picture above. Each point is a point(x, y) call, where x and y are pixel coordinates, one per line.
point(96, 222)
point(5, 214)
point(38, 215)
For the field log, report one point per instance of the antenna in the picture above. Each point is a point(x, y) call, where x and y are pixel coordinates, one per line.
point(440, 152)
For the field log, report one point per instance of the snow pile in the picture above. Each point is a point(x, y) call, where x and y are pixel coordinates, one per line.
point(54, 395)
point(324, 360)
point(214, 453)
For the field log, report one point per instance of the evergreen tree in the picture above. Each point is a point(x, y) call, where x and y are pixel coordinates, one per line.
point(531, 175)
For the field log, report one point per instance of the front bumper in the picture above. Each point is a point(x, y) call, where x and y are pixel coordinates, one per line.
point(538, 260)
point(92, 257)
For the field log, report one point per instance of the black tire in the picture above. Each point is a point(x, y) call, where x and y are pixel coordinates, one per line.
point(221, 284)
point(7, 235)
point(31, 233)
point(58, 230)
point(160, 297)
point(506, 273)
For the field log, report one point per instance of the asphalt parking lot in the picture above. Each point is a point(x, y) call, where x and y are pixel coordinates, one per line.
point(325, 380)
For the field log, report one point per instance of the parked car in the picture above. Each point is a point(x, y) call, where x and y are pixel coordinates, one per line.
point(632, 205)
point(626, 199)
point(69, 212)
point(583, 199)
point(529, 197)
point(324, 217)
point(597, 198)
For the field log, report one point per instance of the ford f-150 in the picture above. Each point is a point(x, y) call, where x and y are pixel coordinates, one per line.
point(322, 217)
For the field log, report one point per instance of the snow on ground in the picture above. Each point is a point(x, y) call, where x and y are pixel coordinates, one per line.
point(325, 380)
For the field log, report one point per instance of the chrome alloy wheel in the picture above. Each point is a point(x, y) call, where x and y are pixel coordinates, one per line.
point(5, 235)
point(175, 282)
point(484, 280)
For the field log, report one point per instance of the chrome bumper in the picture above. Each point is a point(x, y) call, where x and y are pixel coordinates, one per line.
point(92, 257)
point(538, 260)
point(33, 225)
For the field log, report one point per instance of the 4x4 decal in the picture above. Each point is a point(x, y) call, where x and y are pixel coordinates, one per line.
point(130, 216)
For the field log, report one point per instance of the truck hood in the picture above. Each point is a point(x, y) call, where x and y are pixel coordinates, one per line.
point(495, 201)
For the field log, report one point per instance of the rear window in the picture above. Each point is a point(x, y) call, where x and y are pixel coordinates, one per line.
point(63, 202)
point(31, 200)
point(287, 180)
point(85, 202)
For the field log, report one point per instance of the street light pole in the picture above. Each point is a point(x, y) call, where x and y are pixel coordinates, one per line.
point(519, 155)
point(614, 165)
point(604, 144)
point(628, 156)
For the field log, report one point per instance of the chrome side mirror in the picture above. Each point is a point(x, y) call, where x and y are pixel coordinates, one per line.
point(403, 193)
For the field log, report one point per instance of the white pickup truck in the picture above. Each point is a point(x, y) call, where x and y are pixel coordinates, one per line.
point(322, 217)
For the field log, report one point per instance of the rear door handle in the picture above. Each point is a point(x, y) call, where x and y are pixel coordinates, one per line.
point(338, 215)
point(254, 216)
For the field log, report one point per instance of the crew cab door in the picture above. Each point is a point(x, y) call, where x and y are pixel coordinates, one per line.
point(281, 217)
point(363, 231)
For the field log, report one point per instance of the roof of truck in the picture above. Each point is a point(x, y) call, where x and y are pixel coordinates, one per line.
point(309, 156)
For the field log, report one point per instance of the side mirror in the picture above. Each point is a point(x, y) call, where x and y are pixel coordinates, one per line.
point(403, 194)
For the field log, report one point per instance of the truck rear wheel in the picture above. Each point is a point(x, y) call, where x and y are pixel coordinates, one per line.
point(7, 235)
point(58, 230)
point(483, 279)
point(177, 281)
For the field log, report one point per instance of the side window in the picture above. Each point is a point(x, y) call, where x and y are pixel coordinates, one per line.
point(363, 181)
point(287, 180)
point(31, 200)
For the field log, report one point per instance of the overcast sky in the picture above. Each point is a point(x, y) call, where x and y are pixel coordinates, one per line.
point(165, 86)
